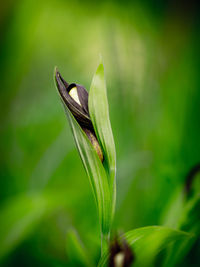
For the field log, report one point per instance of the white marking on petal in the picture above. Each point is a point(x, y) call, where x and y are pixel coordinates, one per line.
point(74, 94)
point(119, 259)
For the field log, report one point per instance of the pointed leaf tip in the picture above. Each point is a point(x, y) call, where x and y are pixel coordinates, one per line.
point(99, 114)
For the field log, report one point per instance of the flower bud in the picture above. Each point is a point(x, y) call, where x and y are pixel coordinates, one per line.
point(95, 143)
point(76, 99)
point(121, 254)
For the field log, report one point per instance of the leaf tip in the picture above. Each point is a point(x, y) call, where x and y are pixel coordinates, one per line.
point(55, 72)
point(101, 64)
point(100, 58)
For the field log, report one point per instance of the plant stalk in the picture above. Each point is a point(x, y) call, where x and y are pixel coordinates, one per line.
point(105, 238)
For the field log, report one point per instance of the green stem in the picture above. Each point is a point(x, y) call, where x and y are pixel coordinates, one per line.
point(104, 243)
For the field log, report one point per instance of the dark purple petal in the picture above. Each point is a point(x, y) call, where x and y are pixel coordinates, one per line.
point(83, 97)
point(79, 109)
point(80, 112)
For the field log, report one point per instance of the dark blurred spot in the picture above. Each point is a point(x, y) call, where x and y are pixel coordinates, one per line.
point(121, 254)
point(190, 177)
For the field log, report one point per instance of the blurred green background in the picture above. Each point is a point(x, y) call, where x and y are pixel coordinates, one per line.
point(152, 61)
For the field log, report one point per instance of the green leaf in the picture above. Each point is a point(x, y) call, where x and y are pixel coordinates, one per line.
point(147, 242)
point(95, 172)
point(183, 212)
point(190, 222)
point(76, 251)
point(18, 218)
point(99, 113)
point(21, 214)
point(172, 212)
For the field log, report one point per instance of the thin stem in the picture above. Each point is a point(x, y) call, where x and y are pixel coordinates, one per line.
point(104, 242)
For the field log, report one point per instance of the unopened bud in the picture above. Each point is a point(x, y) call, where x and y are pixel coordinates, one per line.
point(76, 99)
point(121, 254)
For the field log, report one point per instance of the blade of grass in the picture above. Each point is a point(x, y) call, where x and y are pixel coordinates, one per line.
point(76, 250)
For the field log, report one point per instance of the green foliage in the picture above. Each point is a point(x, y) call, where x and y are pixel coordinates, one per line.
point(147, 242)
point(101, 176)
point(186, 217)
point(76, 250)
point(20, 216)
point(152, 64)
point(96, 174)
point(99, 112)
